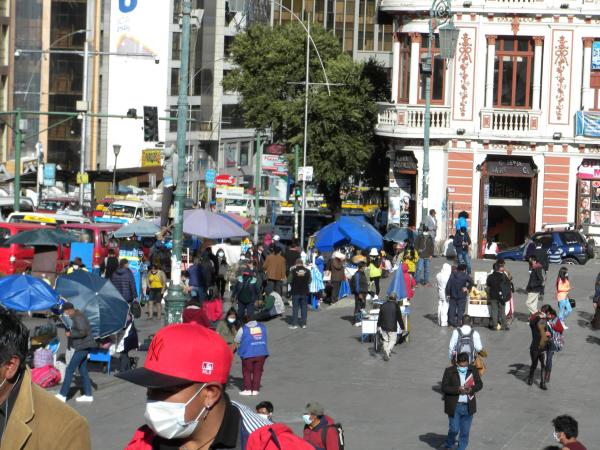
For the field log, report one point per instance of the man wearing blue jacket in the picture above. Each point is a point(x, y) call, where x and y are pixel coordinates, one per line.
point(457, 290)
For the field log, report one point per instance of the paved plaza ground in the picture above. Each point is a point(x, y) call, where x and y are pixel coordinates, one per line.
point(397, 404)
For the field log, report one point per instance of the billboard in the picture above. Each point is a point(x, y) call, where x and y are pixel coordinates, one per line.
point(136, 26)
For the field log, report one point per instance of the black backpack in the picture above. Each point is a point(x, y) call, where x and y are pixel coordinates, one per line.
point(505, 289)
point(340, 435)
point(245, 294)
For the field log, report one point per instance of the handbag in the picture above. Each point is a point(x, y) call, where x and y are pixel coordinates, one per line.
point(572, 302)
point(479, 365)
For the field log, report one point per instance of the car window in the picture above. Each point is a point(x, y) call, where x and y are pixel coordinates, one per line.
point(571, 237)
point(122, 210)
point(284, 220)
point(148, 213)
point(4, 235)
point(544, 239)
point(83, 234)
point(103, 239)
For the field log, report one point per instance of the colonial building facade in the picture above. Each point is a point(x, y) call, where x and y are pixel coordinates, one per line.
point(513, 124)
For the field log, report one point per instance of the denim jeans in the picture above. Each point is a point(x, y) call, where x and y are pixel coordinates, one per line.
point(564, 309)
point(423, 270)
point(459, 424)
point(299, 302)
point(463, 257)
point(456, 311)
point(79, 359)
point(244, 309)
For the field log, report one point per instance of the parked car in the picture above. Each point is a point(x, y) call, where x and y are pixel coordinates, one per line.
point(98, 234)
point(576, 250)
point(15, 258)
point(126, 211)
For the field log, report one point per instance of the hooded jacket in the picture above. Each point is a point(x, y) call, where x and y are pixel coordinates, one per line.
point(125, 284)
point(442, 280)
point(536, 279)
point(457, 281)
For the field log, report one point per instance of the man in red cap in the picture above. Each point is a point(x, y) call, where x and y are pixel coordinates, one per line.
point(185, 373)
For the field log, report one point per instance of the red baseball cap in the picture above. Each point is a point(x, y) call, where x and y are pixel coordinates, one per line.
point(181, 354)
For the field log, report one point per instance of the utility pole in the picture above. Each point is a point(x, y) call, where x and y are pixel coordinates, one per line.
point(258, 152)
point(306, 87)
point(297, 169)
point(175, 299)
point(83, 123)
point(17, 189)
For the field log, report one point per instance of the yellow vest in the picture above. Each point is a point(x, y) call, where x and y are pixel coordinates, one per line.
point(374, 271)
point(154, 281)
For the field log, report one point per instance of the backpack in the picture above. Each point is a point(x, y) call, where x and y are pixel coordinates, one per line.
point(276, 437)
point(46, 377)
point(465, 344)
point(339, 431)
point(505, 290)
point(245, 294)
point(208, 268)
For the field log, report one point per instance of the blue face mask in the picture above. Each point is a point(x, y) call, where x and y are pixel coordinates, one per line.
point(462, 369)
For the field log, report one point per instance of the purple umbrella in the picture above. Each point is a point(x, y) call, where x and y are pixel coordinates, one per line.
point(209, 225)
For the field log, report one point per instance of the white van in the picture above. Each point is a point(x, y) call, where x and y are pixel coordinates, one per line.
point(127, 212)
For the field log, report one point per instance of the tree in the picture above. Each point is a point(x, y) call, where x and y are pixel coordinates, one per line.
point(269, 76)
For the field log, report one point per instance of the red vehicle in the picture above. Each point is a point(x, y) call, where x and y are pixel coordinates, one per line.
point(97, 233)
point(15, 258)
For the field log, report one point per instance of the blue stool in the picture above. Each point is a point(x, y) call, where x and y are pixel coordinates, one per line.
point(101, 355)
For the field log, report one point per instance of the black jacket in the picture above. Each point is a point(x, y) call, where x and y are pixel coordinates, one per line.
point(359, 284)
point(457, 281)
point(424, 245)
point(389, 316)
point(450, 385)
point(461, 241)
point(81, 332)
point(299, 280)
point(536, 279)
point(499, 286)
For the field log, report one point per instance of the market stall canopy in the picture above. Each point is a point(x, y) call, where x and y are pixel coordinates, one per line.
point(97, 299)
point(42, 237)
point(243, 222)
point(140, 228)
point(348, 230)
point(210, 225)
point(25, 293)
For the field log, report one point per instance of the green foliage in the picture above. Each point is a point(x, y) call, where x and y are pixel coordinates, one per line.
point(271, 70)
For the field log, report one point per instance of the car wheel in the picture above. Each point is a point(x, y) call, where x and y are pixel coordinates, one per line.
point(570, 261)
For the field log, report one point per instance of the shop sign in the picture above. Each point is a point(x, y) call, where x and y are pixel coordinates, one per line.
point(209, 178)
point(509, 167)
point(596, 55)
point(151, 157)
point(275, 149)
point(404, 161)
point(587, 123)
point(49, 174)
point(224, 179)
point(232, 192)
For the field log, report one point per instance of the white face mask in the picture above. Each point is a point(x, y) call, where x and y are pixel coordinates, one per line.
point(306, 418)
point(556, 436)
point(167, 419)
point(230, 320)
point(265, 416)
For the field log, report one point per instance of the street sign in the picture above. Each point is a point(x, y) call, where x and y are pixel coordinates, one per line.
point(224, 179)
point(151, 157)
point(83, 178)
point(49, 174)
point(305, 173)
point(209, 178)
point(596, 55)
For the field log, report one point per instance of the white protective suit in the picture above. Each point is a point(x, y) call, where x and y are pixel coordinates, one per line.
point(442, 280)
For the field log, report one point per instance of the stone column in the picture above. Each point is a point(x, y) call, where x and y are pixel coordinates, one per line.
point(489, 78)
point(395, 66)
point(587, 99)
point(415, 59)
point(537, 72)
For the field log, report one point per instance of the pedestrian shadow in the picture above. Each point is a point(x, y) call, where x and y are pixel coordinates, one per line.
point(519, 371)
point(437, 387)
point(432, 317)
point(521, 317)
point(520, 291)
point(434, 440)
point(348, 318)
point(238, 382)
point(593, 340)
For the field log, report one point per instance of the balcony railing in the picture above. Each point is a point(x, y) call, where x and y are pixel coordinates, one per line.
point(412, 116)
point(392, 5)
point(510, 120)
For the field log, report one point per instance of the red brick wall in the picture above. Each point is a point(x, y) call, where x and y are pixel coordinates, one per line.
point(556, 189)
point(460, 178)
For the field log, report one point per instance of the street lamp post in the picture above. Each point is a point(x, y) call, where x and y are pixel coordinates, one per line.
point(175, 298)
point(116, 151)
point(439, 14)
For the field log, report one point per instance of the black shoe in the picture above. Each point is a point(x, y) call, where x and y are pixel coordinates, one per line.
point(543, 386)
point(386, 357)
point(529, 381)
point(506, 329)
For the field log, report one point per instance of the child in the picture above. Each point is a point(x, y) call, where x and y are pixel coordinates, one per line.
point(410, 257)
point(562, 295)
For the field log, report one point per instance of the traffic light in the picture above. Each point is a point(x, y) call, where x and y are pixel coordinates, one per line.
point(151, 124)
point(297, 191)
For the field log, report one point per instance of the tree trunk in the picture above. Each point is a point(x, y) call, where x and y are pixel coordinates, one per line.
point(332, 196)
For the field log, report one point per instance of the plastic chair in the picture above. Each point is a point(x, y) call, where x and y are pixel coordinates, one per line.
point(101, 355)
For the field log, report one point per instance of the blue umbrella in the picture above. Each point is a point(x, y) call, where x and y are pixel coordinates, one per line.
point(140, 228)
point(26, 293)
point(360, 233)
point(330, 237)
point(97, 299)
point(397, 285)
point(399, 234)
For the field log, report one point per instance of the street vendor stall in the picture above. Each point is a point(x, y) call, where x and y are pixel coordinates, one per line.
point(477, 306)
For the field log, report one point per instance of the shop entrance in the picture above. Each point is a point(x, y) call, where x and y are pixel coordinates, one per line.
point(507, 200)
point(402, 200)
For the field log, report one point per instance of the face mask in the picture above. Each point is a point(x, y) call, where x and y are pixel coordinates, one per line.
point(462, 369)
point(306, 419)
point(556, 436)
point(167, 419)
point(265, 416)
point(230, 320)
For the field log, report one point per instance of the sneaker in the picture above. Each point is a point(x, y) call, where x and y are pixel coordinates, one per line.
point(303, 327)
point(565, 327)
point(62, 398)
point(255, 392)
point(245, 393)
point(293, 327)
point(358, 324)
point(386, 357)
point(85, 398)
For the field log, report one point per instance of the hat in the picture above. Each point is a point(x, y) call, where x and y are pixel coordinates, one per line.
point(181, 354)
point(393, 296)
point(67, 305)
point(339, 255)
point(315, 408)
point(373, 252)
point(358, 258)
point(275, 237)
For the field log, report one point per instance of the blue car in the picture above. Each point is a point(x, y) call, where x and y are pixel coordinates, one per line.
point(575, 248)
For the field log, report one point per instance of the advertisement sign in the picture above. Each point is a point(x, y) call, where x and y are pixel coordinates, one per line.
point(209, 178)
point(224, 179)
point(151, 157)
point(49, 174)
point(274, 165)
point(305, 173)
point(587, 123)
point(235, 192)
point(596, 55)
point(136, 27)
point(274, 149)
point(230, 151)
